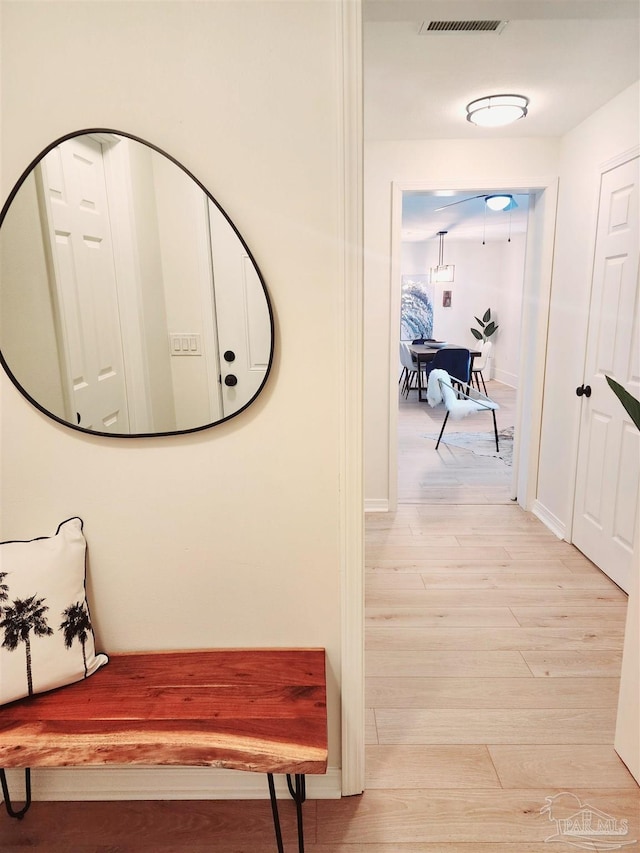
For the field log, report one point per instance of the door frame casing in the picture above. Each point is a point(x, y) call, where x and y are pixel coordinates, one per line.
point(128, 285)
point(350, 336)
point(535, 319)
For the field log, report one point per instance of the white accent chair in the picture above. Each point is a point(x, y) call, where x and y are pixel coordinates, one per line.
point(479, 364)
point(459, 401)
point(409, 375)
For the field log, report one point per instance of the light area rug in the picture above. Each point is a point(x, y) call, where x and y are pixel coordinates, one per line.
point(481, 443)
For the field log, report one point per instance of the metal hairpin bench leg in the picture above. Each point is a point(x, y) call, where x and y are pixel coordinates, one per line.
point(299, 794)
point(20, 813)
point(274, 810)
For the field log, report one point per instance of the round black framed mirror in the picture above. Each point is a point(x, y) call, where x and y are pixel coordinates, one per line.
point(123, 285)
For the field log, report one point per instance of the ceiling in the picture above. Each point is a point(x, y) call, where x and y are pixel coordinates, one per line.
point(426, 213)
point(569, 57)
point(417, 86)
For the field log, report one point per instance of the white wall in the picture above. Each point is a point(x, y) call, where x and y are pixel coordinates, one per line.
point(627, 737)
point(489, 276)
point(228, 537)
point(610, 131)
point(428, 163)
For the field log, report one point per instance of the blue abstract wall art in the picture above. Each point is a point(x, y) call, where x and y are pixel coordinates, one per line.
point(416, 311)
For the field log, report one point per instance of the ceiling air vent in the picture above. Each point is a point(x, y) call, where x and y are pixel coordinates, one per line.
point(462, 27)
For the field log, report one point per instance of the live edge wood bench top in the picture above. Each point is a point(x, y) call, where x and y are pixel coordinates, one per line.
point(244, 709)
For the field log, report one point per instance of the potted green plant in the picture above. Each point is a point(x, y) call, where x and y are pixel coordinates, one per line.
point(487, 327)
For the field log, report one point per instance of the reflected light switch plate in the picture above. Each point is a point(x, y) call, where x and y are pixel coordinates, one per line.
point(185, 343)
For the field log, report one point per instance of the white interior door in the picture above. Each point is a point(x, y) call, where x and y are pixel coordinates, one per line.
point(75, 199)
point(244, 338)
point(606, 510)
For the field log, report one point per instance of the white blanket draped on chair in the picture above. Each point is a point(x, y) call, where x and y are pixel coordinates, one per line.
point(459, 402)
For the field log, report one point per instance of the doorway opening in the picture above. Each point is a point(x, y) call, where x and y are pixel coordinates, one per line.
point(485, 257)
point(502, 264)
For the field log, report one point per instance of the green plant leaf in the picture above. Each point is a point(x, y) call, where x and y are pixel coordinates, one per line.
point(480, 321)
point(489, 329)
point(476, 334)
point(487, 315)
point(630, 403)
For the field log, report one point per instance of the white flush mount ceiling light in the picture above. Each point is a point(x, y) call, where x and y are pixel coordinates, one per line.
point(499, 202)
point(442, 272)
point(497, 110)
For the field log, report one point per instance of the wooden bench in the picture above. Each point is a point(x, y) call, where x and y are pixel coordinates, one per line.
point(261, 710)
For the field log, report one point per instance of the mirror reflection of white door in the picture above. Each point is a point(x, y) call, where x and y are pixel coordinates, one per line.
point(606, 511)
point(75, 199)
point(244, 339)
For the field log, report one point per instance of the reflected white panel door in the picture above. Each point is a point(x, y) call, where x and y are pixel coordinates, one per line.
point(75, 197)
point(242, 315)
point(606, 511)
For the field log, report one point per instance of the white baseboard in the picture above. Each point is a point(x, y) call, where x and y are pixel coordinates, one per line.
point(160, 783)
point(505, 377)
point(549, 519)
point(376, 505)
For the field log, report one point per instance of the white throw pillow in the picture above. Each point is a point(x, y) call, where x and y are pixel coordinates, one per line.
point(46, 638)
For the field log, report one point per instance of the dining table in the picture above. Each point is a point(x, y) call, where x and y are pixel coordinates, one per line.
point(424, 353)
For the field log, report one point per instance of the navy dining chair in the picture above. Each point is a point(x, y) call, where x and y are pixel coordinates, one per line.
point(455, 361)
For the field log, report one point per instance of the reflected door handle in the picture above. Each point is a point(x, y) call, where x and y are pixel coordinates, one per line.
point(231, 380)
point(583, 389)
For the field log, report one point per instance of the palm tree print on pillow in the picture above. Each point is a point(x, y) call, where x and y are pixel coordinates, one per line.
point(21, 618)
point(77, 625)
point(4, 589)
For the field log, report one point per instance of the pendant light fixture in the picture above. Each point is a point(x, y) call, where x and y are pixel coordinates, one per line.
point(497, 110)
point(442, 272)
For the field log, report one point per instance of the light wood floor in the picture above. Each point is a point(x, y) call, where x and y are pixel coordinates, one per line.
point(492, 654)
point(451, 475)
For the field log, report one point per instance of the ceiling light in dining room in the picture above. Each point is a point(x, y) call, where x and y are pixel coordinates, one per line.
point(497, 110)
point(499, 202)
